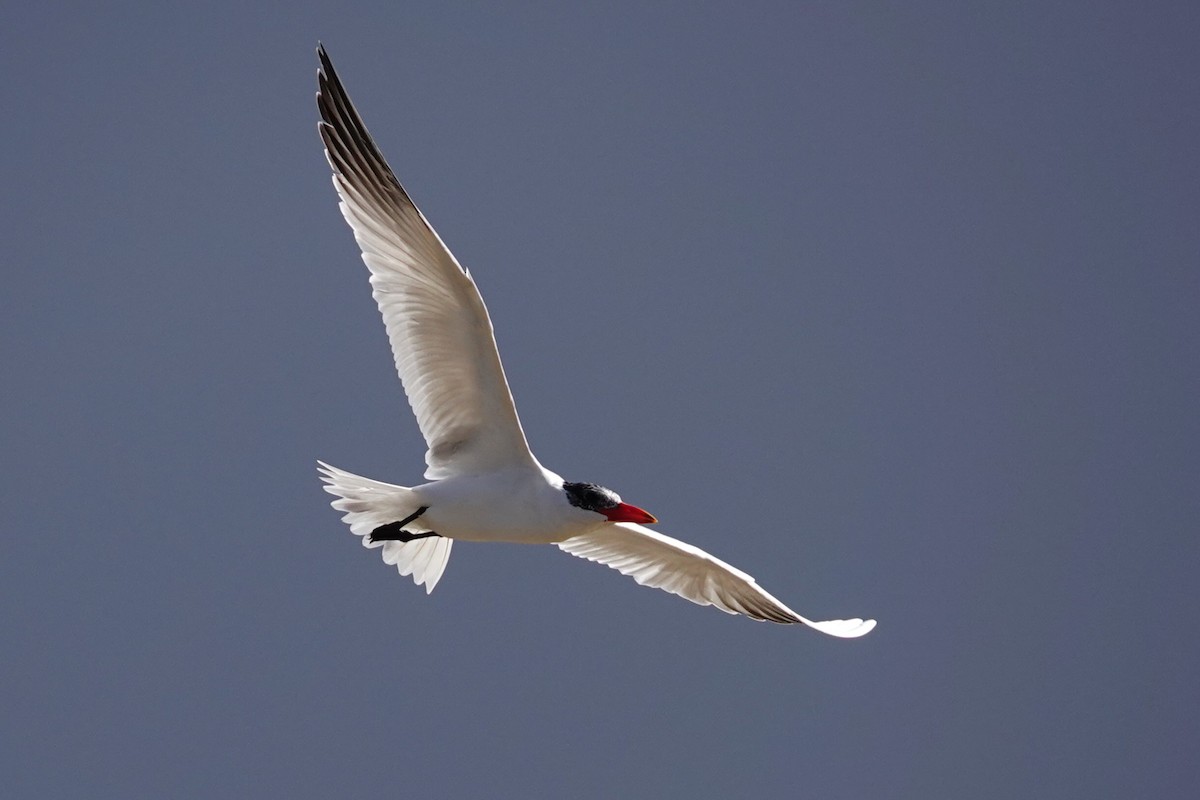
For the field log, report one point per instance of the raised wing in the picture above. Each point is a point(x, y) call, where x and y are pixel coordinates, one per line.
point(439, 329)
point(677, 567)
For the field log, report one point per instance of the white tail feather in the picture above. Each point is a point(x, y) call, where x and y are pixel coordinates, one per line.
point(369, 504)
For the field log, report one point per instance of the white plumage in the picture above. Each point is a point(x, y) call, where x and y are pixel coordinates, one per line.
point(484, 484)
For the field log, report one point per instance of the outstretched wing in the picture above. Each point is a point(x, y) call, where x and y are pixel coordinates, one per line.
point(439, 329)
point(677, 567)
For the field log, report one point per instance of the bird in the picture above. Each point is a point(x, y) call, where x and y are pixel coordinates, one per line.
point(483, 481)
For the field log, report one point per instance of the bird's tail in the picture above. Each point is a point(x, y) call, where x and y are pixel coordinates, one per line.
point(369, 504)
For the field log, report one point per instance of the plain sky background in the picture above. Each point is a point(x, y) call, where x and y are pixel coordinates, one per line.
point(893, 306)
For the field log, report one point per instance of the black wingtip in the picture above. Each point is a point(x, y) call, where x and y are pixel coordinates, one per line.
point(325, 69)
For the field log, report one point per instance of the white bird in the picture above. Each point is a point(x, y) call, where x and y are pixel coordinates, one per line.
point(484, 483)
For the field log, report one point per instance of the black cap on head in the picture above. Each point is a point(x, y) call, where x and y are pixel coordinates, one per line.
point(591, 497)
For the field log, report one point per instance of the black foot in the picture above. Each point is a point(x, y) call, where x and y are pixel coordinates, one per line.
point(394, 531)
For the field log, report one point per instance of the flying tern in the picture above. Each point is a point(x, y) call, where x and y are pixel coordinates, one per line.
point(484, 484)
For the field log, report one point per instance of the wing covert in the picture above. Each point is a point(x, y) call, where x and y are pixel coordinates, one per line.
point(659, 561)
point(440, 333)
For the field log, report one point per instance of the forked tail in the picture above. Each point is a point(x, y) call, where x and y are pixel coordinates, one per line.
point(370, 504)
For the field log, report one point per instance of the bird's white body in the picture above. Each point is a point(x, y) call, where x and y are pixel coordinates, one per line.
point(484, 484)
point(513, 505)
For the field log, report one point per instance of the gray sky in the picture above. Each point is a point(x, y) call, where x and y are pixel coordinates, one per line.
point(892, 306)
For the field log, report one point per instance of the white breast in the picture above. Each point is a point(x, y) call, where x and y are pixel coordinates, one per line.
point(516, 505)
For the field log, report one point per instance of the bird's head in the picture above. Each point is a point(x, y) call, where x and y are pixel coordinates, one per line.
point(591, 497)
